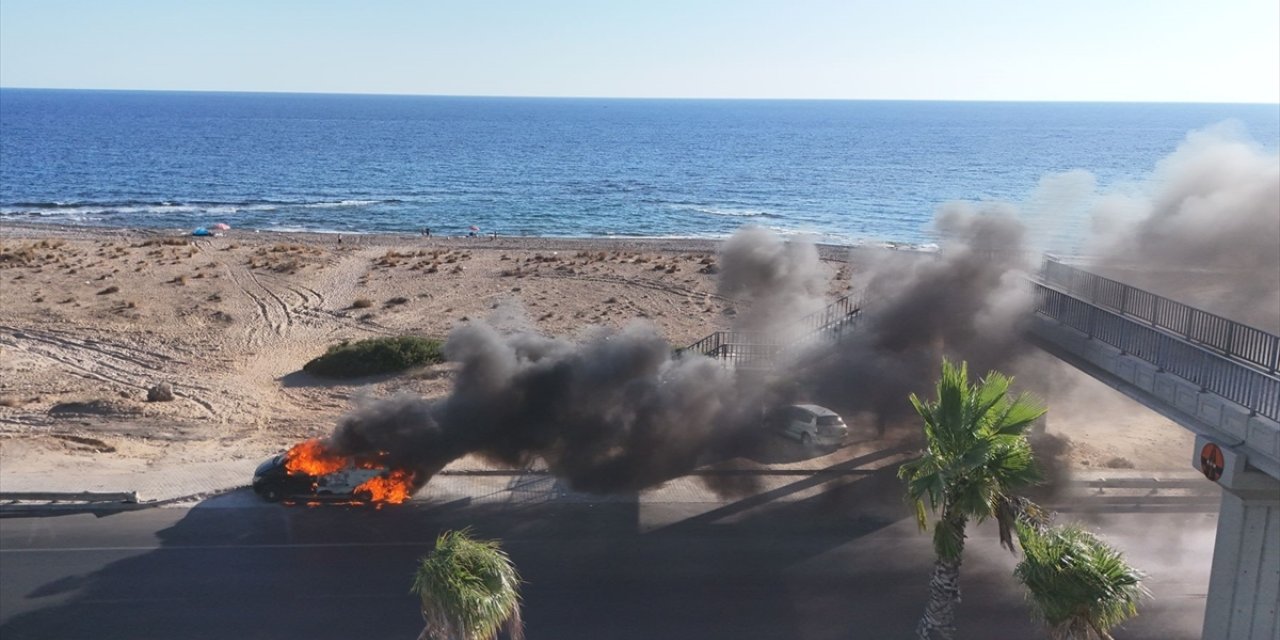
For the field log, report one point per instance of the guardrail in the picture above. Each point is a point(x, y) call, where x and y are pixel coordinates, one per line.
point(70, 496)
point(1256, 390)
point(1240, 341)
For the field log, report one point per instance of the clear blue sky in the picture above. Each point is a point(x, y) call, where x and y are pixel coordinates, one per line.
point(1121, 50)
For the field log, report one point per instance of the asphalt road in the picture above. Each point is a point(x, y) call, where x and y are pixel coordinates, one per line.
point(847, 563)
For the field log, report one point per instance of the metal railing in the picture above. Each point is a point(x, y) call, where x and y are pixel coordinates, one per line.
point(1256, 390)
point(1230, 338)
point(836, 313)
point(739, 347)
point(759, 347)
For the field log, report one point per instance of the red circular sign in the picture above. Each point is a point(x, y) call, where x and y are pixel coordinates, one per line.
point(1211, 462)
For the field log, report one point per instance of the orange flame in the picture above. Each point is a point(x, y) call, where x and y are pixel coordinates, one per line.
point(395, 487)
point(313, 458)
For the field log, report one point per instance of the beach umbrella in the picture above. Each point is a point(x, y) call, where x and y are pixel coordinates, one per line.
point(474, 228)
point(221, 226)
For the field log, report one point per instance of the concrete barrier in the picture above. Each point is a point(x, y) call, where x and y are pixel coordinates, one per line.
point(62, 496)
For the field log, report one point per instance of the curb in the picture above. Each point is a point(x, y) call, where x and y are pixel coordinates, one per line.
point(82, 496)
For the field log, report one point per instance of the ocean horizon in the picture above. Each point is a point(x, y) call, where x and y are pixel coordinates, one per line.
point(837, 171)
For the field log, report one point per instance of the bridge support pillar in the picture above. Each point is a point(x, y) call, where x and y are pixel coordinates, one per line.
point(1244, 583)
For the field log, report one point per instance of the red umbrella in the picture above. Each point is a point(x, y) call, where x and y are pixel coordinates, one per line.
point(474, 228)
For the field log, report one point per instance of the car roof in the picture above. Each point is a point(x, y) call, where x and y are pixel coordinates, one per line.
point(816, 410)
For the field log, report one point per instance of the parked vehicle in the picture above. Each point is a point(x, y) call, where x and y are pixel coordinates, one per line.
point(810, 424)
point(274, 482)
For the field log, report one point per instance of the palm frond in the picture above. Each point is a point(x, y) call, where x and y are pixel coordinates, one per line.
point(1076, 581)
point(989, 396)
point(1014, 514)
point(1020, 414)
point(469, 588)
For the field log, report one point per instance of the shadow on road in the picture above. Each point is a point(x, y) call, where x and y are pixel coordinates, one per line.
point(831, 555)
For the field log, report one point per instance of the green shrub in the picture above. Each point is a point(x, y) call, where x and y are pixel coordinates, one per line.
point(375, 355)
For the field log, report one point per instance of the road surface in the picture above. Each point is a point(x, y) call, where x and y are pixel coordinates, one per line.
point(846, 562)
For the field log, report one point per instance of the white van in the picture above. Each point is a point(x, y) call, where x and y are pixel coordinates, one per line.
point(810, 424)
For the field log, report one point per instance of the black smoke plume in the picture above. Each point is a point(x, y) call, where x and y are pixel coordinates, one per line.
point(775, 282)
point(964, 302)
point(617, 412)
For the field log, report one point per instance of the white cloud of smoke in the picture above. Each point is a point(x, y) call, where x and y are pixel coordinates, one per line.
point(1207, 228)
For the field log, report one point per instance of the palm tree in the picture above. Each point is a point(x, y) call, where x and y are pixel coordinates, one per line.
point(1079, 585)
point(469, 589)
point(976, 456)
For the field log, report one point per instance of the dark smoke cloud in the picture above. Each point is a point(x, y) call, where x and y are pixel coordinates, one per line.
point(618, 411)
point(964, 302)
point(775, 281)
point(614, 413)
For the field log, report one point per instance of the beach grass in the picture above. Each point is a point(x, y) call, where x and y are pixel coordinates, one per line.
point(376, 355)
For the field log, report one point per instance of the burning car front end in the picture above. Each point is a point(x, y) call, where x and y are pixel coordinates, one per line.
point(273, 481)
point(310, 471)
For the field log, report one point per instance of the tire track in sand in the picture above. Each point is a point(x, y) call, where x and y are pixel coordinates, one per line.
point(105, 362)
point(285, 309)
point(253, 334)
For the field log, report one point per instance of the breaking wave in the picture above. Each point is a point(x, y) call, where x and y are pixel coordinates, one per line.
point(727, 211)
point(92, 210)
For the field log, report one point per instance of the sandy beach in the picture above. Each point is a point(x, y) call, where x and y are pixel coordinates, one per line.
point(92, 318)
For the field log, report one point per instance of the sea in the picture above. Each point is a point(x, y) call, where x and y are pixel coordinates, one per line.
point(836, 171)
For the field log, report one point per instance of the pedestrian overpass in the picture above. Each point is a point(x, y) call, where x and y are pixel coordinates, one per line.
point(1213, 376)
point(1209, 374)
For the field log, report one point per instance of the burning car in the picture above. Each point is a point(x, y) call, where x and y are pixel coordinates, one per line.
point(310, 470)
